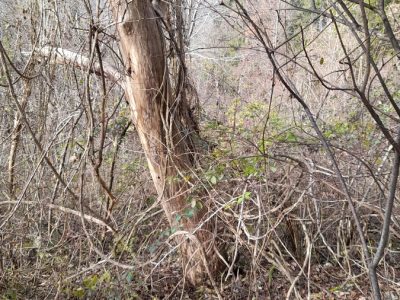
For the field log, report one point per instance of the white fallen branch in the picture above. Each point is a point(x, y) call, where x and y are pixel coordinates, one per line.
point(65, 57)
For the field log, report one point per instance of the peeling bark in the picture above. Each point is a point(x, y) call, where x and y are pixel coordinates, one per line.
point(158, 120)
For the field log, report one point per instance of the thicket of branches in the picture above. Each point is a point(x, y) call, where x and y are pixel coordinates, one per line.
point(297, 157)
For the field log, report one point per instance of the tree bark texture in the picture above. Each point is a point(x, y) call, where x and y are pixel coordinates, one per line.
point(160, 123)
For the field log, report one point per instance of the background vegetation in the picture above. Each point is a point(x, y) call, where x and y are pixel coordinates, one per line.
point(284, 95)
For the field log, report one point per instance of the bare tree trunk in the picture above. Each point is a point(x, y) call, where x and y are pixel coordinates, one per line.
point(158, 118)
point(15, 138)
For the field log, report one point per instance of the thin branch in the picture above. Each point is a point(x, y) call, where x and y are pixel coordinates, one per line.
point(87, 217)
point(386, 224)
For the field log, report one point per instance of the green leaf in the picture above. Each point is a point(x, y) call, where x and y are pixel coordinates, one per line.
point(129, 277)
point(213, 180)
point(199, 205)
point(106, 277)
point(79, 293)
point(240, 200)
point(245, 196)
point(291, 137)
point(90, 282)
point(178, 217)
point(250, 169)
point(189, 212)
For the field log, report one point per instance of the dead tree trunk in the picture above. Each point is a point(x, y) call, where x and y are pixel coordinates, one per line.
point(158, 115)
